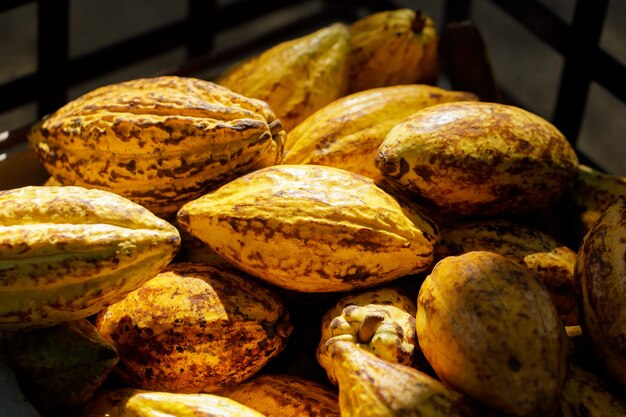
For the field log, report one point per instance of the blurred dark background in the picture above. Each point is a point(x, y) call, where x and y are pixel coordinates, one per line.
point(80, 45)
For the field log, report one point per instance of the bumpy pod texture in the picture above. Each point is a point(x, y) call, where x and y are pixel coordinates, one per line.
point(195, 328)
point(158, 141)
point(312, 228)
point(68, 252)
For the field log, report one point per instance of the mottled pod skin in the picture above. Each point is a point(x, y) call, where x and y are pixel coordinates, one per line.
point(312, 228)
point(158, 141)
point(474, 158)
point(373, 387)
point(537, 251)
point(379, 320)
point(296, 77)
point(593, 193)
point(586, 395)
point(285, 396)
point(68, 252)
point(129, 402)
point(195, 328)
point(348, 132)
point(489, 329)
point(391, 48)
point(600, 279)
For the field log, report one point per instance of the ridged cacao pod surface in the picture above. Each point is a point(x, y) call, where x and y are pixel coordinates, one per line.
point(312, 228)
point(158, 141)
point(68, 252)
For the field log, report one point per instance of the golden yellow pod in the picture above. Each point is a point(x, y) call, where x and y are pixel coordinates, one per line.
point(312, 228)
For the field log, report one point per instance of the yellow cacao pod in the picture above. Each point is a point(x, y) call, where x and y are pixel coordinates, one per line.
point(285, 396)
point(600, 280)
point(68, 252)
point(129, 402)
point(195, 328)
point(489, 329)
point(158, 141)
point(372, 387)
point(537, 251)
point(379, 320)
point(348, 132)
point(473, 158)
point(296, 77)
point(391, 48)
point(312, 228)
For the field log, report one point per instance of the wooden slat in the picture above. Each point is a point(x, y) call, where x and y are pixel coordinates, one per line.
point(52, 54)
point(576, 77)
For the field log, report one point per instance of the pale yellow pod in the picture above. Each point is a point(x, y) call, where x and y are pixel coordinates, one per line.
point(195, 328)
point(372, 387)
point(348, 132)
point(474, 158)
point(158, 141)
point(312, 228)
point(393, 47)
point(68, 252)
point(380, 320)
point(285, 396)
point(296, 77)
point(489, 329)
point(600, 279)
point(129, 402)
point(537, 251)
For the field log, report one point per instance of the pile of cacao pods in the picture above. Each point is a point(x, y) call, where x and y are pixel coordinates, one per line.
point(319, 232)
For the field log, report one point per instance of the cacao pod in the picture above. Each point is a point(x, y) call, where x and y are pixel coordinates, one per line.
point(312, 228)
point(195, 328)
point(391, 48)
point(68, 252)
point(285, 396)
point(489, 329)
point(296, 77)
point(379, 320)
point(158, 141)
point(600, 279)
point(473, 158)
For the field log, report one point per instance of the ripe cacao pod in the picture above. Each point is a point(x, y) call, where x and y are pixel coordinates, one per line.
point(68, 252)
point(195, 328)
point(391, 48)
point(312, 228)
point(489, 329)
point(379, 320)
point(296, 77)
point(473, 158)
point(158, 141)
